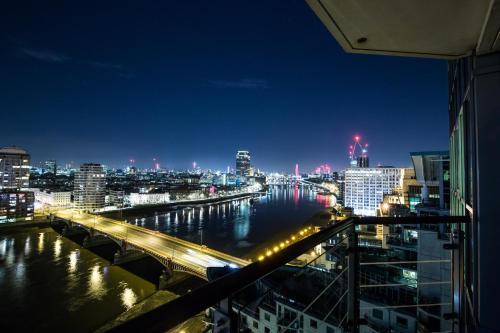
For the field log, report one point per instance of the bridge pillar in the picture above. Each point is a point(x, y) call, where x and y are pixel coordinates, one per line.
point(71, 231)
point(124, 256)
point(92, 241)
point(165, 279)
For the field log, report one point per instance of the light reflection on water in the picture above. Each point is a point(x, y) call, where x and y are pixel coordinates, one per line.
point(82, 289)
point(96, 284)
point(27, 246)
point(41, 237)
point(241, 227)
point(128, 297)
point(73, 261)
point(57, 248)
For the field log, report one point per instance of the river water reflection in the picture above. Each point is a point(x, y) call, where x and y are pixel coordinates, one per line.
point(49, 283)
point(240, 227)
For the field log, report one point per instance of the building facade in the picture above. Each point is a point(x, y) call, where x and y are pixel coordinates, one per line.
point(14, 168)
point(243, 166)
point(138, 199)
point(365, 187)
point(53, 198)
point(474, 110)
point(89, 187)
point(16, 206)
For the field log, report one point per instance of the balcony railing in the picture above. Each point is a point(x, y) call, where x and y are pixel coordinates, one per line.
point(360, 274)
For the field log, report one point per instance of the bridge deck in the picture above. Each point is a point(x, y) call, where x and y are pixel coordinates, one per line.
point(192, 256)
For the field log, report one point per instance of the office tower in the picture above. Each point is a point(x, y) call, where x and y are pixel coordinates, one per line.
point(51, 167)
point(363, 161)
point(14, 168)
point(90, 185)
point(243, 163)
point(365, 187)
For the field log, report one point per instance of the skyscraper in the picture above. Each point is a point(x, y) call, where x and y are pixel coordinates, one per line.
point(14, 168)
point(466, 33)
point(90, 185)
point(243, 163)
point(363, 161)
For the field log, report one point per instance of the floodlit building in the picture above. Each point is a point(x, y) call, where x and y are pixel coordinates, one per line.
point(365, 187)
point(243, 166)
point(14, 168)
point(53, 198)
point(138, 199)
point(90, 187)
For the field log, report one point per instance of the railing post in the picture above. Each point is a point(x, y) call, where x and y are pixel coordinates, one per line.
point(458, 299)
point(352, 281)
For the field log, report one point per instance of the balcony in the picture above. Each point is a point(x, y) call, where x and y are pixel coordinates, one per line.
point(331, 281)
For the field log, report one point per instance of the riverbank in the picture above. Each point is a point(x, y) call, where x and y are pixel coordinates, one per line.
point(176, 205)
point(320, 219)
point(14, 226)
point(195, 324)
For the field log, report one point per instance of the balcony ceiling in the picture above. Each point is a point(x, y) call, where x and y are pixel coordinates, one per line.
point(422, 28)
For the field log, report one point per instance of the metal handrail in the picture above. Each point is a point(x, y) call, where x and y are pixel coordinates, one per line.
point(175, 312)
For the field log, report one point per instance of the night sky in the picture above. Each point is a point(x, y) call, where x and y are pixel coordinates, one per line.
point(186, 81)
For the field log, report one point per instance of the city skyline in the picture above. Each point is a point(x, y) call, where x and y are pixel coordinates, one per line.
point(195, 90)
point(156, 163)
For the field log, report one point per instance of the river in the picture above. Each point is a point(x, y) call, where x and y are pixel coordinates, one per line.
point(50, 283)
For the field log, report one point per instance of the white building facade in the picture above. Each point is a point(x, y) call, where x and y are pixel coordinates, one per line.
point(51, 198)
point(138, 199)
point(365, 187)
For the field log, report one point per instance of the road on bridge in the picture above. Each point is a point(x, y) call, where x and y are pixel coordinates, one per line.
point(193, 256)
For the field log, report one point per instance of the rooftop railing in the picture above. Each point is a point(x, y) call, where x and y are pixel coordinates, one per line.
point(370, 274)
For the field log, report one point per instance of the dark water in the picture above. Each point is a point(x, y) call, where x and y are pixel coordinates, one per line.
point(49, 283)
point(239, 227)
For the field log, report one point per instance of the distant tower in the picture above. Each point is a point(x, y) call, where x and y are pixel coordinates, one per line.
point(358, 154)
point(156, 164)
point(363, 161)
point(243, 163)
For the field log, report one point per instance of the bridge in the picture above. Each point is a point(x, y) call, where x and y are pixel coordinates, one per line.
point(292, 180)
point(134, 242)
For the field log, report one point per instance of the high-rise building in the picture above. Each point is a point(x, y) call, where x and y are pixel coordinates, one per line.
point(243, 166)
point(16, 205)
point(365, 187)
point(466, 33)
point(14, 168)
point(363, 161)
point(51, 167)
point(90, 187)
